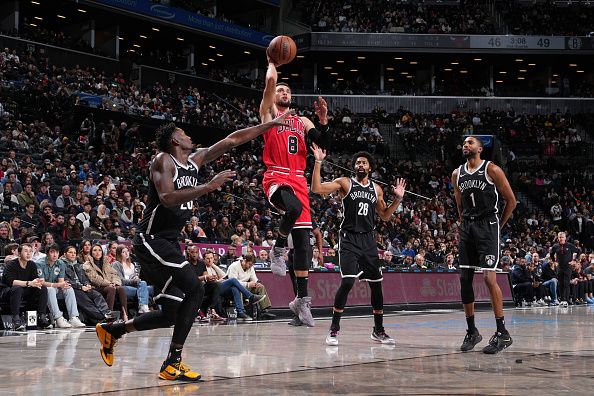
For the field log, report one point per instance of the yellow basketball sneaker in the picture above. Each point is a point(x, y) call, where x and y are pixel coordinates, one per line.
point(108, 342)
point(178, 371)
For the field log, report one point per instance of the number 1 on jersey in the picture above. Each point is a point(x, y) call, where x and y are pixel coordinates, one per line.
point(472, 198)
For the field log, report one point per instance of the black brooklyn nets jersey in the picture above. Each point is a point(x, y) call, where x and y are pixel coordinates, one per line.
point(479, 195)
point(359, 208)
point(167, 222)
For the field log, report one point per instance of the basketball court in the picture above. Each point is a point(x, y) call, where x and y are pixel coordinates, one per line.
point(553, 353)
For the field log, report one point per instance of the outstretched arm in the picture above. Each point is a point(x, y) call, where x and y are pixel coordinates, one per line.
point(383, 210)
point(267, 106)
point(316, 181)
point(162, 172)
point(237, 138)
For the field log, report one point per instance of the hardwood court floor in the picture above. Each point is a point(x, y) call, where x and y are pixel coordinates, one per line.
point(552, 354)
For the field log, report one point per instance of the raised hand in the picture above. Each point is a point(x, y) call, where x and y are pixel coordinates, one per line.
point(321, 108)
point(319, 153)
point(399, 188)
point(222, 178)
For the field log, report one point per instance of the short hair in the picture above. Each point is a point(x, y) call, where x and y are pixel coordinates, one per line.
point(53, 246)
point(207, 252)
point(250, 258)
point(24, 245)
point(478, 139)
point(365, 155)
point(163, 136)
point(283, 84)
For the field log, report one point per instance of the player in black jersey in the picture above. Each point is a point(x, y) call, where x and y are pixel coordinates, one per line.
point(357, 251)
point(477, 185)
point(173, 188)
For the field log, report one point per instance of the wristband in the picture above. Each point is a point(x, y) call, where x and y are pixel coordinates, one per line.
point(319, 161)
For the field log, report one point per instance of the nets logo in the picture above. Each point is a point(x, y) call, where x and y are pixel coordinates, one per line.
point(490, 260)
point(427, 289)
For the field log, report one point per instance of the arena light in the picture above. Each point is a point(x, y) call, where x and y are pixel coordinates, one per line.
point(573, 65)
point(247, 52)
point(220, 55)
point(32, 24)
point(553, 82)
point(502, 72)
point(284, 78)
point(210, 59)
point(340, 79)
point(390, 68)
point(294, 74)
point(339, 61)
point(523, 71)
point(399, 58)
point(300, 56)
point(521, 78)
point(413, 62)
point(404, 73)
point(212, 47)
point(360, 57)
point(409, 76)
point(519, 60)
point(334, 74)
point(61, 16)
point(580, 71)
point(390, 79)
point(328, 67)
point(454, 63)
point(204, 64)
point(156, 29)
point(555, 75)
point(36, 3)
point(136, 45)
point(180, 38)
point(531, 64)
point(121, 38)
point(354, 70)
point(38, 18)
point(477, 59)
point(463, 71)
point(499, 81)
point(448, 69)
point(142, 36)
point(81, 10)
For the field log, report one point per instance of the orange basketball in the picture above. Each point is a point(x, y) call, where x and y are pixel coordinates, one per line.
point(282, 50)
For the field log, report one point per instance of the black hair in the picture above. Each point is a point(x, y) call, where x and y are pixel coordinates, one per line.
point(163, 136)
point(366, 155)
point(284, 84)
point(479, 140)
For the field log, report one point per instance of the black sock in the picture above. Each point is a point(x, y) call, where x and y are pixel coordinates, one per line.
point(470, 323)
point(335, 326)
point(174, 355)
point(500, 325)
point(378, 320)
point(281, 241)
point(301, 287)
point(117, 329)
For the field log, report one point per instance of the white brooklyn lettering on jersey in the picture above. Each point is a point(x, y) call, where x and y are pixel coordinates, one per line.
point(472, 184)
point(186, 181)
point(363, 195)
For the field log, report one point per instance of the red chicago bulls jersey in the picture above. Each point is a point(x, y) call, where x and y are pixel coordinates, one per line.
point(284, 146)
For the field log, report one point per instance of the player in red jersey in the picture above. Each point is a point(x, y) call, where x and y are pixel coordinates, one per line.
point(285, 152)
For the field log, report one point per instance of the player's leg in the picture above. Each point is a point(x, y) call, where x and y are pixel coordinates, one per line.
point(301, 306)
point(349, 271)
point(284, 198)
point(488, 249)
point(468, 258)
point(295, 321)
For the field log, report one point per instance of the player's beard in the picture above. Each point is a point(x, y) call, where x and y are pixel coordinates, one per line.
point(468, 154)
point(361, 174)
point(283, 103)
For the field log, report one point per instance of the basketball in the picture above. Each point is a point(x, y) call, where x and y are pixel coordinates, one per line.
point(282, 50)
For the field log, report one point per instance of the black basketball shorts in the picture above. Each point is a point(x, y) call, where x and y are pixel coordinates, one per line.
point(479, 244)
point(358, 256)
point(160, 260)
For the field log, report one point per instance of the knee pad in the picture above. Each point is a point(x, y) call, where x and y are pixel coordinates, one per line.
point(343, 291)
point(377, 296)
point(466, 290)
point(301, 247)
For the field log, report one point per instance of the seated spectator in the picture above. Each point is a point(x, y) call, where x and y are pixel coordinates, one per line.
point(331, 257)
point(419, 262)
point(89, 300)
point(84, 254)
point(5, 237)
point(522, 280)
point(135, 287)
point(548, 276)
point(243, 271)
point(263, 257)
point(229, 256)
point(54, 272)
point(12, 252)
point(386, 259)
point(24, 285)
point(95, 230)
point(316, 258)
point(211, 303)
point(72, 230)
point(35, 242)
point(111, 249)
point(105, 280)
